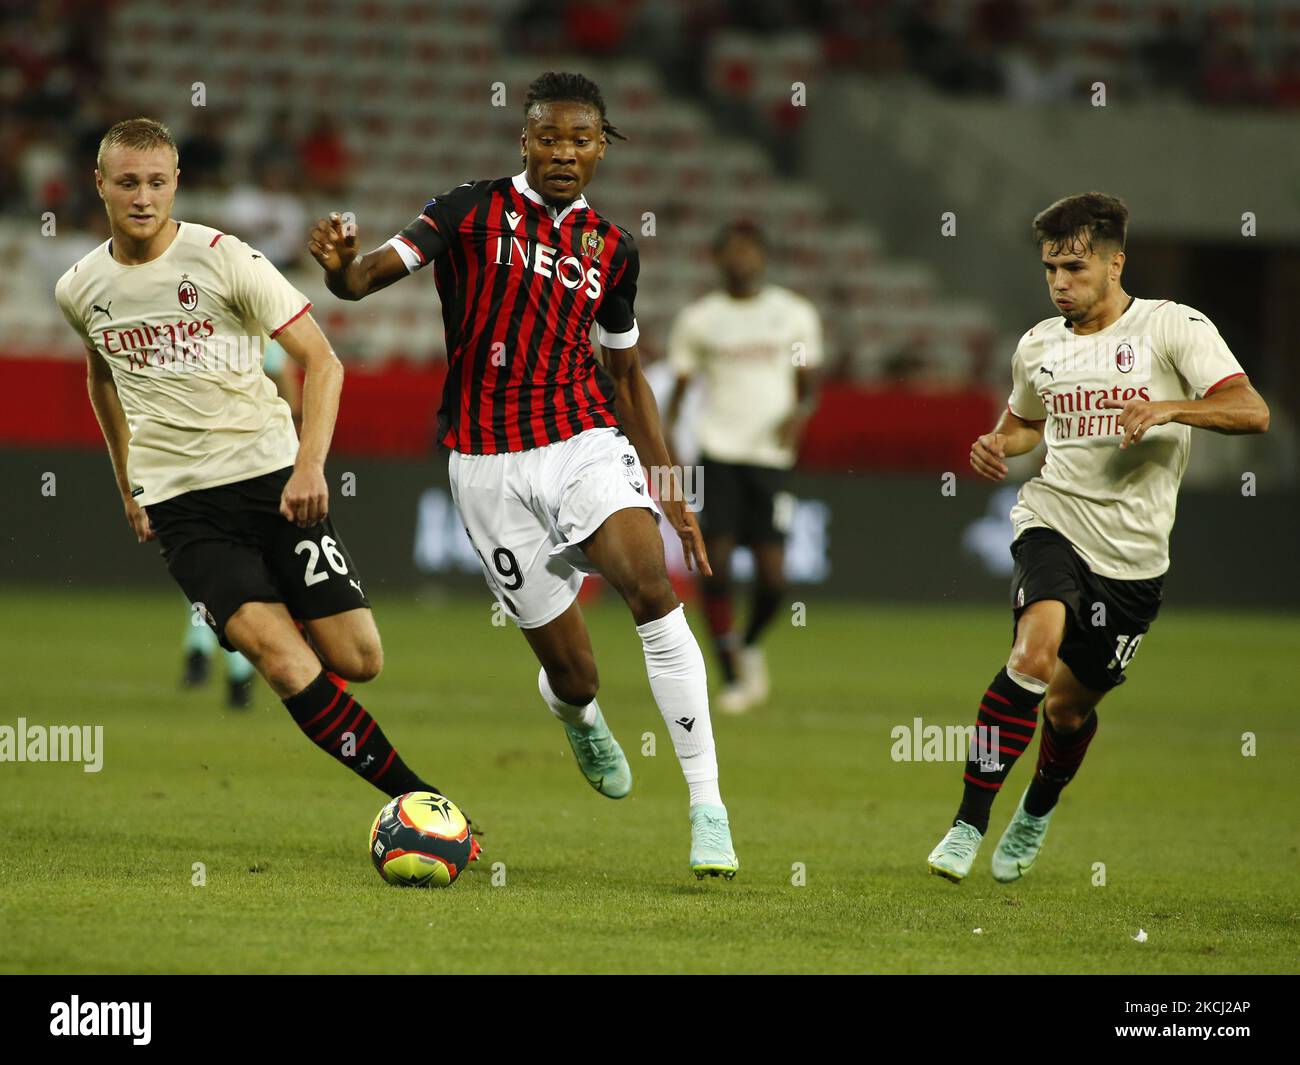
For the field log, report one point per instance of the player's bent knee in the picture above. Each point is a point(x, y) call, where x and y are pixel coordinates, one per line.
point(1033, 661)
point(279, 662)
point(359, 664)
point(651, 598)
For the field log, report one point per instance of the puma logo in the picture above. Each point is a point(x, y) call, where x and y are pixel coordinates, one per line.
point(102, 310)
point(356, 585)
point(1044, 369)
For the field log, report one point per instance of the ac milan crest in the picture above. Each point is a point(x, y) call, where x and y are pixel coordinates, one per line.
point(187, 294)
point(1125, 360)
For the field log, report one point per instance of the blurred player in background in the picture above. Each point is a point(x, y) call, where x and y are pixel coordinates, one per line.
point(546, 481)
point(200, 642)
point(1115, 385)
point(205, 454)
point(756, 346)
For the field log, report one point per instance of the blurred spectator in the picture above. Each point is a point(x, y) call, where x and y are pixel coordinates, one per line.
point(267, 215)
point(597, 27)
point(203, 156)
point(324, 158)
point(12, 198)
point(1171, 57)
point(1036, 74)
point(1286, 85)
point(81, 229)
point(50, 57)
point(1228, 79)
point(277, 146)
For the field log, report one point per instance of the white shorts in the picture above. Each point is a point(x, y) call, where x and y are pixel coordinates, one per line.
point(526, 512)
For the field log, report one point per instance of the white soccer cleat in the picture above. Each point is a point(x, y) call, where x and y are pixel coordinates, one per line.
point(752, 665)
point(734, 699)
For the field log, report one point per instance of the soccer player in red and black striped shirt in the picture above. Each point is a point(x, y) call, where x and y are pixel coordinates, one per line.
point(547, 443)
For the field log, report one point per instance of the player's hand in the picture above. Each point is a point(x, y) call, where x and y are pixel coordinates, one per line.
point(1139, 415)
point(333, 243)
point(306, 498)
point(986, 456)
point(138, 519)
point(681, 519)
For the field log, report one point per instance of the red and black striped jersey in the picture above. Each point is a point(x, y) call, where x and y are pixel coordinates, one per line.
point(521, 285)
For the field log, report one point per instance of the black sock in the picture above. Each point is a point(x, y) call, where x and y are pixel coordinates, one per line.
point(1059, 756)
point(717, 610)
point(1013, 711)
point(328, 715)
point(767, 601)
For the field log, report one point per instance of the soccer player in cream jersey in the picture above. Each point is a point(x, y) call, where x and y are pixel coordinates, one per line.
point(1115, 385)
point(205, 453)
point(756, 345)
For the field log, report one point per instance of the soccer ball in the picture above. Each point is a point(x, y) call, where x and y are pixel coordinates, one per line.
point(421, 839)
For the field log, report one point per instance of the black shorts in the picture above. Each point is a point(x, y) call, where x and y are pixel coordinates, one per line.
point(746, 503)
point(1105, 619)
point(229, 545)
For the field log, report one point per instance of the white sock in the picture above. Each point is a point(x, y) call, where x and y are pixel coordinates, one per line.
point(578, 716)
point(677, 678)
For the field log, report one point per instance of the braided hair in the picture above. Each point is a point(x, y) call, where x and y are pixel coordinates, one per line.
point(553, 87)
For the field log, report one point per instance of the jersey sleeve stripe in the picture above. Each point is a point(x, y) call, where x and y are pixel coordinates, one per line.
point(407, 252)
point(1023, 418)
point(411, 244)
point(215, 239)
point(1222, 380)
point(617, 340)
point(291, 320)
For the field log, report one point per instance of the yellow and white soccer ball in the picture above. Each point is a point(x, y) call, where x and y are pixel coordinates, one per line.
point(421, 839)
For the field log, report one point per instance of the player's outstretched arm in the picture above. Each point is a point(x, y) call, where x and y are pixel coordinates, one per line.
point(305, 499)
point(112, 423)
point(333, 244)
point(676, 399)
point(638, 413)
point(1234, 407)
point(1012, 436)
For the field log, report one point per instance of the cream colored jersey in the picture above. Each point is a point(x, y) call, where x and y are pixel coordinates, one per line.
point(1116, 507)
point(747, 351)
point(183, 335)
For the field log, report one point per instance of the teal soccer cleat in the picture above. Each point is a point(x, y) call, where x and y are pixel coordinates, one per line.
point(600, 758)
point(711, 851)
point(1020, 844)
point(955, 854)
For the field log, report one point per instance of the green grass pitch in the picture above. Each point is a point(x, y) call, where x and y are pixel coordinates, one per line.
point(1199, 842)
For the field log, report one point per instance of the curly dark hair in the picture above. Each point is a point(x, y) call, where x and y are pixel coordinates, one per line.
point(1092, 218)
point(555, 86)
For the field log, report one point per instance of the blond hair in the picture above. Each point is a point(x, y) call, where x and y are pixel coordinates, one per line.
point(141, 133)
